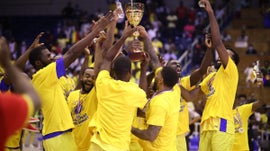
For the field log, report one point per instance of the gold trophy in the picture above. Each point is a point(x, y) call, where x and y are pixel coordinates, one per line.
point(134, 13)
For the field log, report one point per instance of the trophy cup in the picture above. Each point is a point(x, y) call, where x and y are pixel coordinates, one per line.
point(134, 13)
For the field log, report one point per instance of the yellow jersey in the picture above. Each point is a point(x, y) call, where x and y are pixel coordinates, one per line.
point(117, 104)
point(183, 119)
point(54, 106)
point(241, 115)
point(82, 108)
point(220, 88)
point(163, 111)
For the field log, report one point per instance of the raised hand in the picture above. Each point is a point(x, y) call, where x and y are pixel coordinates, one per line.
point(207, 4)
point(36, 42)
point(116, 13)
point(104, 21)
point(86, 51)
point(145, 62)
point(128, 30)
point(142, 31)
point(161, 60)
point(134, 45)
point(101, 38)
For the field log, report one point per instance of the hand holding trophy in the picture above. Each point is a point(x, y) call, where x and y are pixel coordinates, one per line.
point(134, 12)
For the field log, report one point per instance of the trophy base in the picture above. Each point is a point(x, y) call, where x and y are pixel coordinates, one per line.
point(136, 56)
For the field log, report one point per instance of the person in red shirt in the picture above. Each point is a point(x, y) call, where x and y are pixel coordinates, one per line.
point(15, 108)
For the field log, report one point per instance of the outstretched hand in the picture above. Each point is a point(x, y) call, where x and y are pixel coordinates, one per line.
point(36, 42)
point(134, 45)
point(104, 21)
point(4, 52)
point(101, 38)
point(142, 31)
point(207, 4)
point(146, 61)
point(128, 30)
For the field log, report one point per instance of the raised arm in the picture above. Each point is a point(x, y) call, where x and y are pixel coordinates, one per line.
point(99, 51)
point(104, 43)
point(197, 75)
point(192, 95)
point(111, 53)
point(148, 47)
point(144, 67)
point(21, 61)
point(110, 32)
point(215, 33)
point(20, 82)
point(75, 51)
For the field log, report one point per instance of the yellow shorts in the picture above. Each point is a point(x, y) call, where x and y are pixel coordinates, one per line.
point(181, 144)
point(135, 146)
point(13, 142)
point(95, 147)
point(62, 142)
point(216, 141)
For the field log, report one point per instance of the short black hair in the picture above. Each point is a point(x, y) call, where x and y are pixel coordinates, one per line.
point(235, 56)
point(86, 69)
point(121, 66)
point(35, 55)
point(170, 76)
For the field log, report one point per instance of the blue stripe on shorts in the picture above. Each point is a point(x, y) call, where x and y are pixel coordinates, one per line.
point(223, 125)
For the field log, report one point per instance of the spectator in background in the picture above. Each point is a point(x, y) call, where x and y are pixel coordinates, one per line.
point(248, 72)
point(170, 49)
point(152, 32)
point(266, 73)
point(251, 50)
point(219, 13)
point(242, 40)
point(226, 37)
point(181, 12)
point(171, 20)
point(243, 36)
point(189, 28)
point(158, 45)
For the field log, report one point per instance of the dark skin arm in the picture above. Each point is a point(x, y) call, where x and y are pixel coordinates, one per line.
point(198, 74)
point(143, 80)
point(148, 47)
point(21, 61)
point(21, 83)
point(104, 43)
point(193, 95)
point(98, 52)
point(144, 67)
point(150, 134)
point(215, 33)
point(75, 51)
point(111, 53)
